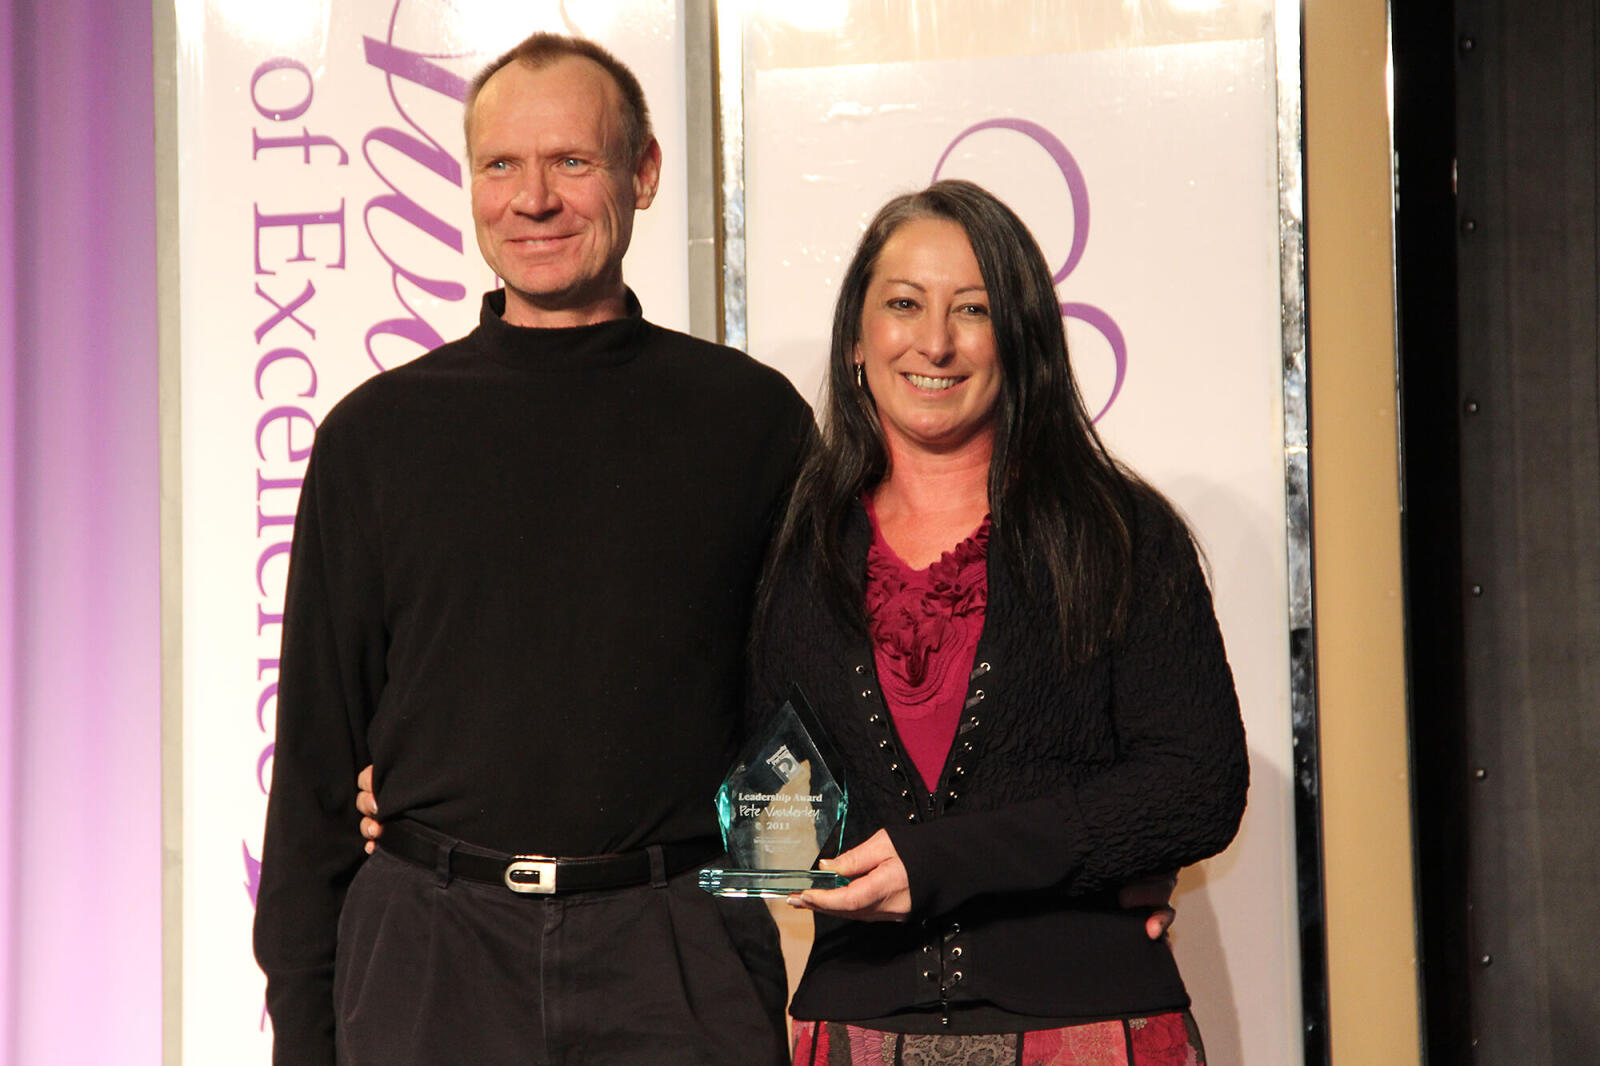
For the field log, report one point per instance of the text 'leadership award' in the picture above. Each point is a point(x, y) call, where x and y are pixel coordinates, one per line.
point(780, 807)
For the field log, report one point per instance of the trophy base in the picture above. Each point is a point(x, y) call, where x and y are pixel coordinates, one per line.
point(767, 884)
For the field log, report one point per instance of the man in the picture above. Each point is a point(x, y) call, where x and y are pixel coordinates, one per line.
point(520, 586)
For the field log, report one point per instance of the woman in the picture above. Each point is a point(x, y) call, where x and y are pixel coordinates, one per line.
point(1011, 641)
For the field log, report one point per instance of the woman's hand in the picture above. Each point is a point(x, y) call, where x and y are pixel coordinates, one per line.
point(367, 804)
point(877, 892)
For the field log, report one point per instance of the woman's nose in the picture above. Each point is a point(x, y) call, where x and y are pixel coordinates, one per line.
point(936, 340)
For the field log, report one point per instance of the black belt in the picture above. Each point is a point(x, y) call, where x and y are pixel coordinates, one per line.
point(543, 874)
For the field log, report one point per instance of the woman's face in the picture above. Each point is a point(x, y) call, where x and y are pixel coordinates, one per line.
point(927, 344)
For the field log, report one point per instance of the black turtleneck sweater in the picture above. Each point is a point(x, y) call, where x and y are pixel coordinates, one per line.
point(521, 582)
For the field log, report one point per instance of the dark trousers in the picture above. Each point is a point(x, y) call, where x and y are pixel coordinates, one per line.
point(435, 974)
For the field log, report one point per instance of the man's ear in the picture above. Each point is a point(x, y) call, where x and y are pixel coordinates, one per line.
point(646, 175)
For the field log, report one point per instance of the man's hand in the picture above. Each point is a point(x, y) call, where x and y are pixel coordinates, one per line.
point(877, 892)
point(367, 804)
point(1155, 893)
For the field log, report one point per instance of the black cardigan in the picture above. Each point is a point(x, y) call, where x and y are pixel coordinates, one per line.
point(1062, 785)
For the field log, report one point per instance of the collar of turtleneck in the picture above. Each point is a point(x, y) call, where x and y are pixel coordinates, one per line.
point(609, 343)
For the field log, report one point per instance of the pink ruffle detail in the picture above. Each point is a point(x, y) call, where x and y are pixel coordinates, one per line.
point(920, 620)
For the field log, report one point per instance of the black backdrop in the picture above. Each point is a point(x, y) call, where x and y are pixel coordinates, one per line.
point(1495, 134)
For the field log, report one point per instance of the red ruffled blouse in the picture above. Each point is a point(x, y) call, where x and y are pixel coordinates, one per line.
point(925, 626)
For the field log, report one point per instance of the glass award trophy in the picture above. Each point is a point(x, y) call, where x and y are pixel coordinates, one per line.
point(780, 807)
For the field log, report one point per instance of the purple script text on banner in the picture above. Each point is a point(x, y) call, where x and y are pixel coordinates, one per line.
point(280, 468)
point(420, 147)
point(1078, 196)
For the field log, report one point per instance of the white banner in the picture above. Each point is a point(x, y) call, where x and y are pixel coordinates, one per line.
point(325, 235)
point(1149, 176)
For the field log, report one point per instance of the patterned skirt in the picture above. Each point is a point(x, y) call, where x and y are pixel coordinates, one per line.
point(1159, 1040)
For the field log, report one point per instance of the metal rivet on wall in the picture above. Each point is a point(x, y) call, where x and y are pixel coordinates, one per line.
point(1485, 959)
point(1472, 407)
point(1467, 44)
point(1477, 590)
point(1480, 773)
point(1469, 225)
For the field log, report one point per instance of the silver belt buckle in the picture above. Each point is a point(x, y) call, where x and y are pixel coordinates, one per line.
point(534, 874)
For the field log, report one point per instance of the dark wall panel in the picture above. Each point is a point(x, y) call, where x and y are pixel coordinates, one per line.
point(1426, 54)
point(1530, 512)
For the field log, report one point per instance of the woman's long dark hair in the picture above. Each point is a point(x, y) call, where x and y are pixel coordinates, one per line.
point(1056, 497)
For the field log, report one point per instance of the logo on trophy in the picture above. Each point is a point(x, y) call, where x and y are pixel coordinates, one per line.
point(780, 807)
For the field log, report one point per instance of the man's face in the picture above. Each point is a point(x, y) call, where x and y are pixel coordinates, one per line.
point(553, 192)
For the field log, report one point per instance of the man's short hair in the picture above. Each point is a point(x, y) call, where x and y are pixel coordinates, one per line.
point(542, 49)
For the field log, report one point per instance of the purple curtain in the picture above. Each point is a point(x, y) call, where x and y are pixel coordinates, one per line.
point(80, 889)
point(8, 556)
